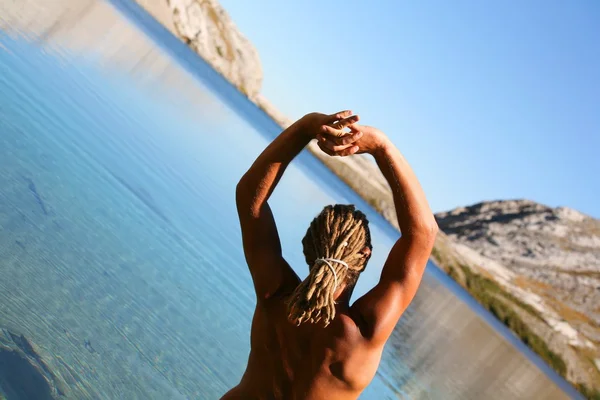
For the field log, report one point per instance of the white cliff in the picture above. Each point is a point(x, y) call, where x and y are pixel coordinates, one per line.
point(207, 28)
point(557, 247)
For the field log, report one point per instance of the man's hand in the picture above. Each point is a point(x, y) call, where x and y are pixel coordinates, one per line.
point(333, 125)
point(361, 139)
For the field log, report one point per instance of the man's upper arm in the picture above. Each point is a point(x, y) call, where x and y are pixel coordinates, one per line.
point(381, 307)
point(262, 249)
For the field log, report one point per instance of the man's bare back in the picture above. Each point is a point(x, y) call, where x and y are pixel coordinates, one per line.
point(326, 352)
point(306, 362)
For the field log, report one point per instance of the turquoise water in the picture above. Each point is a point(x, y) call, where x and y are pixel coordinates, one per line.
point(120, 254)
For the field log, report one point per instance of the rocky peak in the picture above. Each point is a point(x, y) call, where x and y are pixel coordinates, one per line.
point(207, 28)
point(557, 247)
point(524, 225)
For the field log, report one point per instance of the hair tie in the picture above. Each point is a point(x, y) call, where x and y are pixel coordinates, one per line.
point(328, 262)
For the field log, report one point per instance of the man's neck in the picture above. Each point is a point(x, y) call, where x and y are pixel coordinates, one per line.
point(343, 299)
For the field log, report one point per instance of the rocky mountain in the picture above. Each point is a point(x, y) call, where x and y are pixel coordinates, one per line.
point(207, 28)
point(547, 260)
point(555, 247)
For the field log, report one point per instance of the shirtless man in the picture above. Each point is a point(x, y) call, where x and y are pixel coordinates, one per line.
point(307, 341)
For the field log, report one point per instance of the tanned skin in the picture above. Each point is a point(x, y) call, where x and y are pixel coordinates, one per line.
point(313, 362)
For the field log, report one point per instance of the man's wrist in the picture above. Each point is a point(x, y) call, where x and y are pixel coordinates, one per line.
point(298, 134)
point(294, 129)
point(382, 148)
point(299, 129)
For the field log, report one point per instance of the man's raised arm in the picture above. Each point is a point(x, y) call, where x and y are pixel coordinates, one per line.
point(262, 246)
point(401, 276)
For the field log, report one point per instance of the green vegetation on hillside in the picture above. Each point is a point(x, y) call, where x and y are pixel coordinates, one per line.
point(591, 394)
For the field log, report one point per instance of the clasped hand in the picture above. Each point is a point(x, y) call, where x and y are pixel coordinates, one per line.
point(333, 138)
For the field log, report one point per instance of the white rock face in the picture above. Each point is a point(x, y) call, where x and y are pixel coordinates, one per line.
point(558, 248)
point(207, 28)
point(570, 214)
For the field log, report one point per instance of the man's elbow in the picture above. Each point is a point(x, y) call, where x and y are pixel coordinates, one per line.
point(242, 193)
point(245, 199)
point(426, 231)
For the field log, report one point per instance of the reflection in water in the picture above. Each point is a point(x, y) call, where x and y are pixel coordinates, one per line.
point(452, 351)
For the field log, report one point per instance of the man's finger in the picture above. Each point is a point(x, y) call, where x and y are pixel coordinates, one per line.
point(347, 138)
point(355, 128)
point(348, 152)
point(338, 144)
point(345, 122)
point(339, 148)
point(352, 149)
point(331, 131)
point(338, 115)
point(337, 127)
point(326, 150)
point(333, 144)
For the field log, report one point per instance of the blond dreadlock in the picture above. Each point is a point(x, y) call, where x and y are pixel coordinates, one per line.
point(339, 232)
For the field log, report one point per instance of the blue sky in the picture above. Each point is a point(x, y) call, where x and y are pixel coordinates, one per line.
point(487, 100)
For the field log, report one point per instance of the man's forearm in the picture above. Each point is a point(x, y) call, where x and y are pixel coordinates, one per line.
point(257, 184)
point(414, 215)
